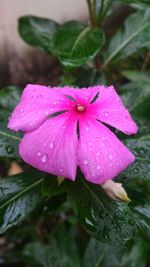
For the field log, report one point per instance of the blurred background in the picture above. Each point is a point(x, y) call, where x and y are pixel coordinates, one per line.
point(19, 63)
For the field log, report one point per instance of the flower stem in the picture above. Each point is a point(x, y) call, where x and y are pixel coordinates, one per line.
point(92, 20)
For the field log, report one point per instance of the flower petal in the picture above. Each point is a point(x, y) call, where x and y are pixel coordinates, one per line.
point(110, 109)
point(101, 156)
point(52, 147)
point(37, 103)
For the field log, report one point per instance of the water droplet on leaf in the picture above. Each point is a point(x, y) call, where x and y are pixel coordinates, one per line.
point(10, 149)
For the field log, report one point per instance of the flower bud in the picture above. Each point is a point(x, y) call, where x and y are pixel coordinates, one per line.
point(115, 191)
point(60, 179)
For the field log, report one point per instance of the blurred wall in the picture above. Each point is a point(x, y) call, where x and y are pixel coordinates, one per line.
point(20, 63)
point(11, 10)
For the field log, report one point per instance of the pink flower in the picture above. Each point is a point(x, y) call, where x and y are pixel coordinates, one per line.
point(76, 137)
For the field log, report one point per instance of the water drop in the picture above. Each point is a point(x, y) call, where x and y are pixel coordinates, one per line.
point(103, 144)
point(60, 170)
point(51, 145)
point(86, 162)
point(87, 129)
point(10, 149)
point(44, 158)
point(98, 167)
point(98, 153)
point(39, 154)
point(136, 170)
point(110, 157)
point(106, 114)
point(103, 138)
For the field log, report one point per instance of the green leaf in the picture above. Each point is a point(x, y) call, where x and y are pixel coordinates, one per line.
point(140, 147)
point(136, 96)
point(103, 255)
point(37, 31)
point(90, 77)
point(36, 255)
point(63, 249)
point(9, 97)
point(134, 75)
point(50, 186)
point(74, 44)
point(9, 140)
point(133, 36)
point(107, 220)
point(136, 1)
point(19, 195)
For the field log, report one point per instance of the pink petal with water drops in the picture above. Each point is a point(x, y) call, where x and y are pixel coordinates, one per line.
point(101, 156)
point(110, 109)
point(37, 103)
point(52, 147)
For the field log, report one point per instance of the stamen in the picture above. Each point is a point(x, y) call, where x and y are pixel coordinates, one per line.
point(80, 108)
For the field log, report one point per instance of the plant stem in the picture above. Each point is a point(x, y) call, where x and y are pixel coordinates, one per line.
point(146, 61)
point(92, 21)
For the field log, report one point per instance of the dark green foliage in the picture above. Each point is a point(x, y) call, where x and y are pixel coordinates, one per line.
point(9, 140)
point(46, 223)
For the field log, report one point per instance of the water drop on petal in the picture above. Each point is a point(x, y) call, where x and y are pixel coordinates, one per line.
point(86, 162)
point(51, 145)
point(110, 157)
point(44, 158)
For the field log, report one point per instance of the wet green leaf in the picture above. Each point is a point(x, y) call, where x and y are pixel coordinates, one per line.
point(102, 255)
point(107, 220)
point(37, 31)
point(19, 195)
point(75, 44)
point(140, 147)
point(9, 97)
point(9, 140)
point(136, 96)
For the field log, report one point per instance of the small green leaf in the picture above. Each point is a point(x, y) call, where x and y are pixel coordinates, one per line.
point(19, 195)
point(133, 36)
point(107, 220)
point(9, 140)
point(37, 31)
point(9, 97)
point(74, 44)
